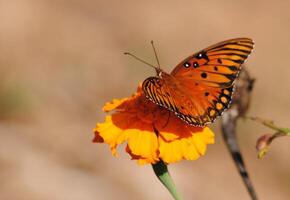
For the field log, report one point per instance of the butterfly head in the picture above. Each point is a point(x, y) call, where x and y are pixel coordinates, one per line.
point(159, 71)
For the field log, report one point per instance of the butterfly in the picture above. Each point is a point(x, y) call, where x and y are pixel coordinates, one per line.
point(200, 88)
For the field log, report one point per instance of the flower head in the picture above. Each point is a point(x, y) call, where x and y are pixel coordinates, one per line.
point(152, 133)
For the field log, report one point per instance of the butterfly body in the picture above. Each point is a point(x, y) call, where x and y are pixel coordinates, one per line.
point(199, 89)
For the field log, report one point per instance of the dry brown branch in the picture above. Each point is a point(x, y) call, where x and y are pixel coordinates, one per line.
point(240, 104)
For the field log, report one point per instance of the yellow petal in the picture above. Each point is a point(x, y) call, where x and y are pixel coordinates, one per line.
point(142, 142)
point(189, 148)
point(140, 160)
point(207, 136)
point(199, 144)
point(111, 134)
point(171, 152)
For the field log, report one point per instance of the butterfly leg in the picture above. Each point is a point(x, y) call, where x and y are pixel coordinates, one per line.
point(167, 119)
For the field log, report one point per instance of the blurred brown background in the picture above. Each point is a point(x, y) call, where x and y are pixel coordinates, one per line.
point(62, 60)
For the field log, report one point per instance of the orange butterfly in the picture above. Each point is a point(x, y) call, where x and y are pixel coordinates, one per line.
point(199, 88)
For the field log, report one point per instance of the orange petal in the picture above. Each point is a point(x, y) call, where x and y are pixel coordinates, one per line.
point(98, 138)
point(109, 106)
point(133, 122)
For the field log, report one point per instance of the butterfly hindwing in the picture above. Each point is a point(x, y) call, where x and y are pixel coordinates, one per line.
point(199, 108)
point(213, 107)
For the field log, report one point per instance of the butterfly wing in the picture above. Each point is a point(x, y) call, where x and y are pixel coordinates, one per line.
point(217, 65)
point(200, 88)
point(198, 108)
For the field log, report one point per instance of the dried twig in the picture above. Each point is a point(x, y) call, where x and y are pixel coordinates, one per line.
point(239, 107)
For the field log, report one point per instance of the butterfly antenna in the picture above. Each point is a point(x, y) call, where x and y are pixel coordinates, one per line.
point(141, 60)
point(152, 43)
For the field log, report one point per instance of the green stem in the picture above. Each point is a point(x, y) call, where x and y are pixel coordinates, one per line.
point(161, 171)
point(270, 124)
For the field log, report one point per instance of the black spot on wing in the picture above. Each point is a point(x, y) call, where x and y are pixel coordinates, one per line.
point(186, 64)
point(203, 75)
point(233, 68)
point(201, 55)
point(238, 61)
point(195, 65)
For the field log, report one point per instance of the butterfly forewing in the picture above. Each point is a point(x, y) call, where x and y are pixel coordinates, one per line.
point(217, 65)
point(200, 88)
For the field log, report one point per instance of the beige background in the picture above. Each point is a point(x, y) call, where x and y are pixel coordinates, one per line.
point(62, 60)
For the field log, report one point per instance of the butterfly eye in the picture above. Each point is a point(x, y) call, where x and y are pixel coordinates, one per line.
point(199, 55)
point(195, 65)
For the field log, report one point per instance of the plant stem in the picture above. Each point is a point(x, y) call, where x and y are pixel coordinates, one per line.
point(162, 173)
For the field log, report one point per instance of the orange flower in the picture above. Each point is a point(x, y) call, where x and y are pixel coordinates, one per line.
point(152, 133)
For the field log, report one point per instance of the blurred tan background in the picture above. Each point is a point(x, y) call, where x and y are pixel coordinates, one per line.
point(60, 61)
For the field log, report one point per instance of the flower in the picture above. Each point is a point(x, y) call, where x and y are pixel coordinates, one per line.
point(152, 133)
point(263, 143)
